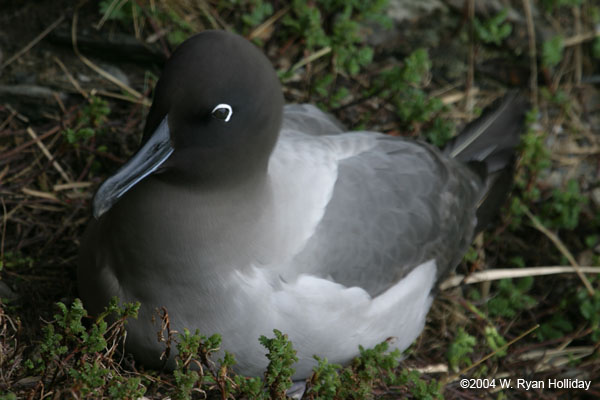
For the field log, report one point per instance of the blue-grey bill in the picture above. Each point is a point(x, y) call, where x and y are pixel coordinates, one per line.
point(147, 159)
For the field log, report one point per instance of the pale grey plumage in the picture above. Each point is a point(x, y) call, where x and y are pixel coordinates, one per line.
point(394, 206)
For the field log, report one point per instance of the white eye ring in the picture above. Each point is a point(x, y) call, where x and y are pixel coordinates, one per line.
point(220, 107)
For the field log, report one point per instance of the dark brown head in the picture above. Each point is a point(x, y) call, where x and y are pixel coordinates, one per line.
point(215, 118)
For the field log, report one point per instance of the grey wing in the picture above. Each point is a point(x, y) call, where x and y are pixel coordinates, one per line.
point(310, 120)
point(393, 207)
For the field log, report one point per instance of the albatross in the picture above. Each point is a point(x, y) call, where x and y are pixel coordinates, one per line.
point(240, 215)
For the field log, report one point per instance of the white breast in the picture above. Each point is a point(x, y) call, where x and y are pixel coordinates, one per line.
point(327, 319)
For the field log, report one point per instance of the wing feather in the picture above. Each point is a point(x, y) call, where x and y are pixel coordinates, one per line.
point(391, 205)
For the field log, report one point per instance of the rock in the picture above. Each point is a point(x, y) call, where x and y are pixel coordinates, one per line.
point(31, 100)
point(30, 91)
point(596, 196)
point(6, 292)
point(116, 72)
point(401, 12)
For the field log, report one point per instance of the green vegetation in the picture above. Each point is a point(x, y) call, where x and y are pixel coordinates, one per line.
point(341, 39)
point(589, 307)
point(555, 327)
point(565, 207)
point(495, 341)
point(82, 356)
point(512, 297)
point(83, 361)
point(123, 11)
point(552, 51)
point(89, 122)
point(493, 30)
point(342, 33)
point(321, 51)
point(14, 259)
point(259, 12)
point(460, 349)
point(371, 369)
point(596, 48)
point(576, 303)
point(535, 158)
point(281, 357)
point(416, 111)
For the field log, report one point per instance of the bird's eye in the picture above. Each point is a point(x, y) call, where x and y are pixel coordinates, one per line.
point(222, 112)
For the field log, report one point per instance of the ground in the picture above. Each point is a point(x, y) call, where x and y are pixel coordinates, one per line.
point(75, 86)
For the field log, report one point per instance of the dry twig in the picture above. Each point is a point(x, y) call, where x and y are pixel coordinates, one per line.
point(507, 273)
point(48, 155)
point(561, 247)
point(532, 53)
point(99, 70)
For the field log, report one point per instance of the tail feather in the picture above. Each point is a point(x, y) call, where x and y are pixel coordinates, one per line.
point(488, 145)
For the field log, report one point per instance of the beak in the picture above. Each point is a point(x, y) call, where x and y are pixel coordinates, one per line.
point(147, 159)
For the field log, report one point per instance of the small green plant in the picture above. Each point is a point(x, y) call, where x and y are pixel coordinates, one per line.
point(342, 33)
point(374, 367)
point(333, 31)
point(414, 108)
point(418, 387)
point(534, 159)
point(366, 370)
point(186, 378)
point(459, 350)
point(335, 28)
point(305, 21)
point(89, 378)
point(122, 11)
point(534, 156)
point(591, 241)
point(66, 337)
point(14, 259)
point(259, 11)
point(552, 51)
point(495, 340)
point(596, 48)
point(471, 255)
point(91, 120)
point(251, 387)
point(325, 382)
point(561, 321)
point(180, 28)
point(324, 87)
point(195, 368)
point(589, 307)
point(511, 298)
point(563, 208)
point(50, 350)
point(196, 349)
point(278, 377)
point(556, 327)
point(493, 30)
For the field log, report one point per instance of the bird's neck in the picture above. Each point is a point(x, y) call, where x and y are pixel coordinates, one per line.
point(214, 227)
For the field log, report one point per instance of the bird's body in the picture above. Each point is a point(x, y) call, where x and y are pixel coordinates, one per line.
point(337, 239)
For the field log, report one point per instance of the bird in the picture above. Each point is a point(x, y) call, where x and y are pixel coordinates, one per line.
point(240, 214)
